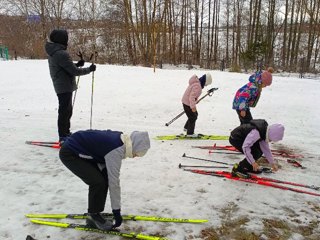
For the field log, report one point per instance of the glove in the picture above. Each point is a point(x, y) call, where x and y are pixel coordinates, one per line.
point(92, 67)
point(80, 63)
point(117, 217)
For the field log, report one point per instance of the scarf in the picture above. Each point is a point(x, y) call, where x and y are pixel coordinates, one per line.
point(128, 145)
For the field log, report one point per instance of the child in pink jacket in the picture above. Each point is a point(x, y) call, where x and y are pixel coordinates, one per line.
point(190, 98)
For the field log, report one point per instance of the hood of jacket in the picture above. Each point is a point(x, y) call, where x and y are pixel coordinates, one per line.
point(140, 143)
point(256, 78)
point(51, 48)
point(194, 79)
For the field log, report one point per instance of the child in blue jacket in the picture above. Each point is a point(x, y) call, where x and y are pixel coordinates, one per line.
point(95, 156)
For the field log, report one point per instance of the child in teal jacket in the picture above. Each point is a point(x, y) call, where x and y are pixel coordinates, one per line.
point(248, 95)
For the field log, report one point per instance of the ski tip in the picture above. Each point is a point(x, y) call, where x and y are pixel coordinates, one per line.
point(179, 165)
point(200, 221)
point(30, 238)
point(184, 154)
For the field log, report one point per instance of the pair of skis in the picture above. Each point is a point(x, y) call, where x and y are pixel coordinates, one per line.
point(291, 158)
point(279, 153)
point(82, 227)
point(269, 182)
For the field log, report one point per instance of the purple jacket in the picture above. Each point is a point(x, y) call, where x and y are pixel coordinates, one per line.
point(192, 93)
point(251, 139)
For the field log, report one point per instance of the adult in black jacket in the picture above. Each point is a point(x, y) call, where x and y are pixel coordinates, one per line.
point(63, 72)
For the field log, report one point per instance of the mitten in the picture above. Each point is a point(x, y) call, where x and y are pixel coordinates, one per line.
point(117, 217)
point(92, 67)
point(80, 63)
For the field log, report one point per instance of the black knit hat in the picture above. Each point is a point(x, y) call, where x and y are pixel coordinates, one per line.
point(59, 36)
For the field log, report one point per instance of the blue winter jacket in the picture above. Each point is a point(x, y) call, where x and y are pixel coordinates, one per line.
point(105, 148)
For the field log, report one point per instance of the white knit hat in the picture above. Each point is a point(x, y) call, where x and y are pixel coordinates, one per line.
point(208, 79)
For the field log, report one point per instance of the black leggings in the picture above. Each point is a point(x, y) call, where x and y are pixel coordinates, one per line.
point(192, 118)
point(90, 174)
point(256, 152)
point(64, 113)
point(245, 119)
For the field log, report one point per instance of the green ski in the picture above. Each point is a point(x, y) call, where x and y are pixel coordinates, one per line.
point(81, 227)
point(184, 137)
point(125, 217)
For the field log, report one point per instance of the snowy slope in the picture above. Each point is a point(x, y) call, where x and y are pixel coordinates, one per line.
point(32, 179)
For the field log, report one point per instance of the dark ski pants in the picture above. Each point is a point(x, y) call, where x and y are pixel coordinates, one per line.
point(256, 152)
point(64, 113)
point(192, 118)
point(245, 119)
point(90, 174)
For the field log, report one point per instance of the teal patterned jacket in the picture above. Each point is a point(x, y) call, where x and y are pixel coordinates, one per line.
point(248, 95)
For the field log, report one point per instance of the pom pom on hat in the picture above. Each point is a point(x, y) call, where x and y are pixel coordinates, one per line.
point(266, 78)
point(270, 69)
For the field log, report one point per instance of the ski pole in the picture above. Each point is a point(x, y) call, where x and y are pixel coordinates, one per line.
point(237, 153)
point(175, 118)
point(202, 159)
point(186, 166)
point(75, 93)
point(209, 93)
point(94, 55)
point(78, 79)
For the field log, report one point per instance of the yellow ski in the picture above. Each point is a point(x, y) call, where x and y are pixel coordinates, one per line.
point(125, 217)
point(81, 227)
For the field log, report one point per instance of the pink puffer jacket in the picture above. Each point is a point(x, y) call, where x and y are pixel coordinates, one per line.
point(192, 93)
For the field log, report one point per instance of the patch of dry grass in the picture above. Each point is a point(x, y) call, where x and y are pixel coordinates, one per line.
point(233, 227)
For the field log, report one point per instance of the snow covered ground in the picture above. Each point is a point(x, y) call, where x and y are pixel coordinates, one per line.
point(33, 180)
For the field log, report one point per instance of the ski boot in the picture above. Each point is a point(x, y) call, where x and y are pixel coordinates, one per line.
point(235, 172)
point(95, 220)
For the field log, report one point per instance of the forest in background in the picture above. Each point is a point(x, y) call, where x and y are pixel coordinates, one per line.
point(234, 34)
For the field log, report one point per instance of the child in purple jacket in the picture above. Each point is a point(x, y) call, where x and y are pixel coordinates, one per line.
point(248, 95)
point(252, 139)
point(190, 98)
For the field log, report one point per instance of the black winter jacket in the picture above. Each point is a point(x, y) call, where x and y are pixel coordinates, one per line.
point(62, 69)
point(241, 132)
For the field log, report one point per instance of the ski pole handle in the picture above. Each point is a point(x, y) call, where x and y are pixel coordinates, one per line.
point(80, 55)
point(209, 93)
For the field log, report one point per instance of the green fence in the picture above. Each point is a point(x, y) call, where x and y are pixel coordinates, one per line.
point(4, 53)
